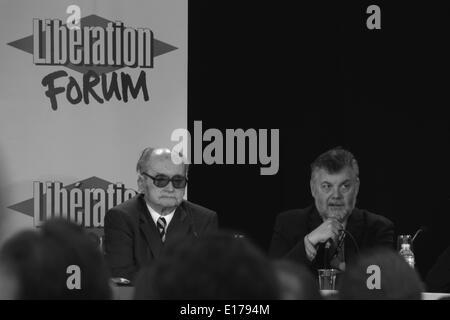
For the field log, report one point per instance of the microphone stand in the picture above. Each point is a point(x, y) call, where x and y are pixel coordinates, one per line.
point(416, 234)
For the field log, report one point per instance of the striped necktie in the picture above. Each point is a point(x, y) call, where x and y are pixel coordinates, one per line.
point(338, 259)
point(161, 224)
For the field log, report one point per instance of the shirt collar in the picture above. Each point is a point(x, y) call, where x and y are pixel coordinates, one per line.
point(155, 215)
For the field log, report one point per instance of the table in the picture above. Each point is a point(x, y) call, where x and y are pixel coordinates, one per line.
point(126, 293)
point(434, 295)
point(425, 295)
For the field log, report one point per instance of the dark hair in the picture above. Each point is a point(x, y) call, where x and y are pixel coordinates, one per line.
point(397, 279)
point(40, 260)
point(334, 160)
point(296, 282)
point(214, 266)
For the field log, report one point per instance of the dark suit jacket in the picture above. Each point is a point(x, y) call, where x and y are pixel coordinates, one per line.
point(132, 238)
point(368, 229)
point(438, 278)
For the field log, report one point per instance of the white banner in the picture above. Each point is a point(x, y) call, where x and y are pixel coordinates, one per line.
point(85, 86)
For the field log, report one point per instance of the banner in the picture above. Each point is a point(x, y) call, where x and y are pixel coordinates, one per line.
point(85, 86)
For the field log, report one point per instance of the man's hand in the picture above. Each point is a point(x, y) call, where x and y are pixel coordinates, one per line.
point(330, 228)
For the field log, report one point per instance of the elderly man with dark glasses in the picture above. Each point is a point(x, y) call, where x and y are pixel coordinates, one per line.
point(137, 230)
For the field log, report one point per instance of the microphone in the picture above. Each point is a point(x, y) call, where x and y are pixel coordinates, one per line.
point(340, 242)
point(330, 241)
point(327, 257)
point(326, 261)
point(421, 229)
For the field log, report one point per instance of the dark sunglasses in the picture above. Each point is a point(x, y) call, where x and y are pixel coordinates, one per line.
point(161, 180)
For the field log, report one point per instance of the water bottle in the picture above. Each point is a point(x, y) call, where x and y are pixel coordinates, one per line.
point(407, 254)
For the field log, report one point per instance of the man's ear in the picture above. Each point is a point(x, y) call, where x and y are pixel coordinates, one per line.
point(312, 186)
point(357, 185)
point(140, 181)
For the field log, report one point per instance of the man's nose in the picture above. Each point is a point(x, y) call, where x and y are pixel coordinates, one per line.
point(169, 187)
point(337, 194)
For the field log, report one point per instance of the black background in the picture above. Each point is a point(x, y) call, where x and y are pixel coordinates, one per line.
point(317, 73)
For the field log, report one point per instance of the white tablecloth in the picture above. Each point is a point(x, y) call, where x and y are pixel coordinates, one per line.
point(425, 295)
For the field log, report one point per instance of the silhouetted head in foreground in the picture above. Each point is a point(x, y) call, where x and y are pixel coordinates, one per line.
point(296, 282)
point(57, 261)
point(215, 266)
point(380, 274)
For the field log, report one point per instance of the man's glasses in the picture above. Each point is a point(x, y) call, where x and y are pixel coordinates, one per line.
point(161, 180)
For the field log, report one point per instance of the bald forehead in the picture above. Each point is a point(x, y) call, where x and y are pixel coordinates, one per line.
point(160, 155)
point(160, 161)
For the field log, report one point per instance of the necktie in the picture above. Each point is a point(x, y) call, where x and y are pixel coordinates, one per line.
point(161, 224)
point(338, 259)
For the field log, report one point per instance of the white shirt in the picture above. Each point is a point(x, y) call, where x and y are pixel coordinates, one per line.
point(155, 216)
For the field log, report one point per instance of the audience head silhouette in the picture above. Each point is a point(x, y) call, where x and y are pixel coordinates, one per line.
point(380, 274)
point(295, 281)
point(214, 266)
point(57, 261)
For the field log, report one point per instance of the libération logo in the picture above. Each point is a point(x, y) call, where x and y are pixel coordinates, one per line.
point(85, 202)
point(93, 46)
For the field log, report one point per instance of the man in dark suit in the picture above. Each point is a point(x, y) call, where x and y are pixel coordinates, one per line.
point(438, 278)
point(137, 230)
point(331, 232)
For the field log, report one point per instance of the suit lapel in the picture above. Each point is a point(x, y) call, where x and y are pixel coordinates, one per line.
point(148, 229)
point(355, 226)
point(179, 225)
